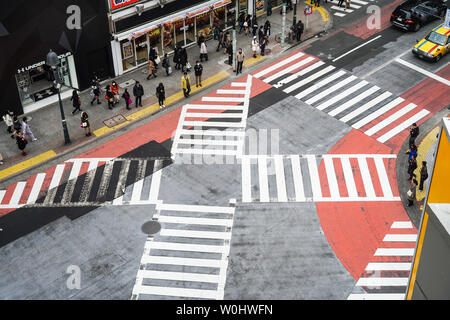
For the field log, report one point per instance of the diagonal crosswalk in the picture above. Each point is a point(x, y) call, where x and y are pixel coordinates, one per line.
point(188, 259)
point(88, 182)
point(222, 116)
point(386, 276)
point(356, 102)
point(300, 178)
point(342, 11)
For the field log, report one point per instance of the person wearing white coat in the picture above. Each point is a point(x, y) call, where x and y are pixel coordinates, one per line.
point(203, 52)
point(8, 118)
point(255, 46)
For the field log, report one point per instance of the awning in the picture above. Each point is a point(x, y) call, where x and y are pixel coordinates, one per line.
point(139, 33)
point(221, 3)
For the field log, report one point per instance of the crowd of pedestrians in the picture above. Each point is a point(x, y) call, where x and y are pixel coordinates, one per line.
point(19, 130)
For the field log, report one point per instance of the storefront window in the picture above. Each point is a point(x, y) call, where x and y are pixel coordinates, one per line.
point(204, 24)
point(154, 38)
point(190, 30)
point(243, 6)
point(168, 37)
point(218, 17)
point(179, 33)
point(141, 49)
point(35, 82)
point(128, 55)
point(259, 5)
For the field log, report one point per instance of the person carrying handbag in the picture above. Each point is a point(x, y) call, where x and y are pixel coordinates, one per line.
point(151, 69)
point(126, 96)
point(115, 91)
point(85, 123)
point(109, 97)
point(166, 65)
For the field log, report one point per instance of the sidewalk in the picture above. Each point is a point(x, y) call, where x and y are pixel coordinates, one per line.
point(46, 122)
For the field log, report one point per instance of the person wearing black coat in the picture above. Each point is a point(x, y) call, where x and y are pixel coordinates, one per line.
point(412, 165)
point(413, 133)
point(183, 59)
point(254, 26)
point(21, 142)
point(177, 57)
point(260, 34)
point(76, 102)
point(166, 64)
point(109, 96)
point(138, 92)
point(230, 54)
point(161, 94)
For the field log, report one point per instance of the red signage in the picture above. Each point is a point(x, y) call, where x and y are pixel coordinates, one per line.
point(116, 4)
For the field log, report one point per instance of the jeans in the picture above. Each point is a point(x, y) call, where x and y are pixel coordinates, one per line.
point(239, 67)
point(138, 101)
point(186, 92)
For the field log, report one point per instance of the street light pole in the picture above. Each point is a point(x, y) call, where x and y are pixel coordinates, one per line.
point(294, 20)
point(53, 62)
point(234, 35)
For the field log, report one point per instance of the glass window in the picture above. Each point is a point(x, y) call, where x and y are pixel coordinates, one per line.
point(179, 33)
point(243, 6)
point(141, 49)
point(190, 30)
point(128, 55)
point(168, 37)
point(204, 24)
point(154, 38)
point(218, 17)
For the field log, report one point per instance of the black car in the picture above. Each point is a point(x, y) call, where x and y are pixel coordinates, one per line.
point(413, 14)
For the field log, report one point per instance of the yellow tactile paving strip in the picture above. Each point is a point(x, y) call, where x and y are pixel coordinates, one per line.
point(27, 164)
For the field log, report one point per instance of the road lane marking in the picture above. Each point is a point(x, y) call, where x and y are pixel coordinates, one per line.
point(358, 47)
point(423, 71)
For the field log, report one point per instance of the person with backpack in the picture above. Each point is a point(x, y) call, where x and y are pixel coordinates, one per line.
point(161, 94)
point(126, 96)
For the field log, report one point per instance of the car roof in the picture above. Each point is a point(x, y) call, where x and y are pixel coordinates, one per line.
point(442, 30)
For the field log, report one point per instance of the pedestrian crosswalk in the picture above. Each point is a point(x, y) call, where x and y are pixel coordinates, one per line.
point(188, 259)
point(356, 102)
point(88, 182)
point(386, 276)
point(300, 178)
point(342, 11)
point(216, 126)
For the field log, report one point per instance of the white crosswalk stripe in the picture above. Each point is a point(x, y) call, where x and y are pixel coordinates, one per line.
point(363, 106)
point(297, 178)
point(180, 261)
point(386, 276)
point(227, 142)
point(68, 187)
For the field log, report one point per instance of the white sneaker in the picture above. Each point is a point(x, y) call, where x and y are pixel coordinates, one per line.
point(34, 139)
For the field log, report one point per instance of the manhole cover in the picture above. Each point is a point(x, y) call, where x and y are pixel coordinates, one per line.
point(127, 83)
point(151, 227)
point(267, 51)
point(114, 121)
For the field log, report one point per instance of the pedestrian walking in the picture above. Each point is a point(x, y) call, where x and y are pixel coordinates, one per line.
point(203, 52)
point(220, 40)
point(26, 130)
point(166, 65)
point(151, 69)
point(183, 59)
point(161, 94)
point(247, 24)
point(423, 175)
point(95, 93)
point(267, 28)
point(201, 38)
point(21, 142)
point(17, 126)
point(412, 166)
point(340, 2)
point(153, 56)
point(85, 123)
point(76, 102)
point(198, 70)
point(186, 84)
point(115, 91)
point(254, 46)
point(109, 97)
point(254, 26)
point(126, 96)
point(230, 54)
point(138, 92)
point(413, 133)
point(177, 57)
point(8, 118)
point(241, 19)
point(263, 44)
point(228, 42)
point(411, 193)
point(269, 8)
point(300, 27)
point(347, 4)
point(240, 56)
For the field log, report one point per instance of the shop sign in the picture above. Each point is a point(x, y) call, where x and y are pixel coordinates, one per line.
point(33, 66)
point(198, 12)
point(259, 4)
point(127, 50)
point(116, 4)
point(134, 35)
point(221, 3)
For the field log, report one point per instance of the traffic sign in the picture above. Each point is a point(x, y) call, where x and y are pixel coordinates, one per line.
point(308, 10)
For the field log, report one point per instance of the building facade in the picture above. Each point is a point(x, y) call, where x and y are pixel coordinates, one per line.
point(77, 30)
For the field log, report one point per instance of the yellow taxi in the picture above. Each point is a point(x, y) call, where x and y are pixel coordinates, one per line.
point(435, 44)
